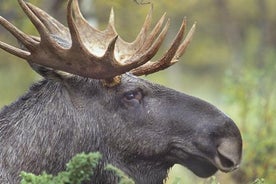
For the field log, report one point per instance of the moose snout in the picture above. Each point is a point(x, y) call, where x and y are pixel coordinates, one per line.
point(228, 155)
point(220, 143)
point(228, 146)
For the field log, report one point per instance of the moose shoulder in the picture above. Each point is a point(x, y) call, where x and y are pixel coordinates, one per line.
point(92, 100)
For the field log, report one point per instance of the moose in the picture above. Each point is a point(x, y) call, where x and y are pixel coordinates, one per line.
point(91, 99)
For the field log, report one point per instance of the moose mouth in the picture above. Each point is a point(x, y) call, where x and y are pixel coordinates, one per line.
point(199, 166)
point(203, 166)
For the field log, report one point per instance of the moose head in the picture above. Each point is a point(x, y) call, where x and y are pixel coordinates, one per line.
point(92, 100)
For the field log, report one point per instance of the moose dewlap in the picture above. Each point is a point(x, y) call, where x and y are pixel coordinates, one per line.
point(91, 100)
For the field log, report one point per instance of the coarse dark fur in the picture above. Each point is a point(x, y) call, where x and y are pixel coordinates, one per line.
point(139, 127)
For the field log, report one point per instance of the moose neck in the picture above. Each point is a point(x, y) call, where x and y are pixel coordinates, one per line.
point(141, 170)
point(45, 127)
point(147, 171)
point(51, 108)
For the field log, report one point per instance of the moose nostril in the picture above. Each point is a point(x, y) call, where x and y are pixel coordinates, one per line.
point(229, 154)
point(225, 162)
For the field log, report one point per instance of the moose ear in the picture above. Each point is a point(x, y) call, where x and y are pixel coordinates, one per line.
point(50, 73)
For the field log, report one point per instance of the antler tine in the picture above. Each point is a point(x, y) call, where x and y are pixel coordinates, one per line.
point(76, 40)
point(142, 36)
point(149, 53)
point(26, 40)
point(53, 26)
point(77, 43)
point(170, 57)
point(36, 22)
point(118, 68)
point(154, 32)
point(141, 41)
point(92, 38)
point(185, 43)
point(79, 19)
point(14, 50)
point(109, 55)
point(111, 23)
point(144, 47)
point(137, 60)
point(76, 10)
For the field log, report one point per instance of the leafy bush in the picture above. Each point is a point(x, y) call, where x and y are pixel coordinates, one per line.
point(78, 170)
point(252, 98)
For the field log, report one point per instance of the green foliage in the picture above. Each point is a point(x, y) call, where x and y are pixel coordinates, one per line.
point(259, 181)
point(123, 178)
point(252, 98)
point(81, 167)
point(213, 180)
point(78, 170)
point(29, 178)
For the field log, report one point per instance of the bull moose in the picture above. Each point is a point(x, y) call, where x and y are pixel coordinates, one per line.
point(92, 100)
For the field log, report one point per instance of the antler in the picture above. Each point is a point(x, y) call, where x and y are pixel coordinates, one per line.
point(83, 50)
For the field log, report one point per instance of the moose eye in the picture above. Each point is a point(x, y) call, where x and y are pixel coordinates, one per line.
point(135, 95)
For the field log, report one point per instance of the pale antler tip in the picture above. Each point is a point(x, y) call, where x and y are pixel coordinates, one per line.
point(151, 9)
point(22, 3)
point(194, 25)
point(168, 21)
point(75, 5)
point(192, 30)
point(111, 17)
point(164, 15)
point(184, 19)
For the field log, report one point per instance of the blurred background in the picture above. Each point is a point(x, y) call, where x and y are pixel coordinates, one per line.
point(231, 63)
